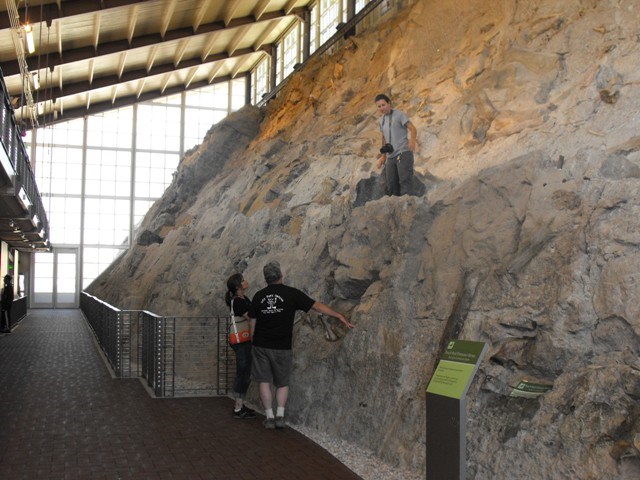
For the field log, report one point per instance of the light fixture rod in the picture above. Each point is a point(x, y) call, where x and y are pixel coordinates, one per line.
point(16, 35)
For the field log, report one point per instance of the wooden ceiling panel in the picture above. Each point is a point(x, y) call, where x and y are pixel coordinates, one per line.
point(108, 53)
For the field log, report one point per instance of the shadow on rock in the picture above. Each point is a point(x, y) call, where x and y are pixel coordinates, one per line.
point(374, 187)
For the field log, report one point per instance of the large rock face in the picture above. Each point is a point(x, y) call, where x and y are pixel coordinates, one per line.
point(527, 237)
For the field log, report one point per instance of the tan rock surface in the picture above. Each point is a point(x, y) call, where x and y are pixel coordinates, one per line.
point(528, 239)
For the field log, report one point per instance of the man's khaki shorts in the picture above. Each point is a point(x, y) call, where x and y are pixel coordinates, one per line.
point(271, 366)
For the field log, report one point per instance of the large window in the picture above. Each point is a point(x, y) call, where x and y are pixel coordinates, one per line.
point(260, 79)
point(325, 16)
point(108, 172)
point(98, 176)
point(360, 4)
point(204, 108)
point(111, 129)
point(238, 93)
point(107, 221)
point(154, 172)
point(98, 259)
point(66, 177)
point(330, 17)
point(67, 212)
point(156, 125)
point(290, 50)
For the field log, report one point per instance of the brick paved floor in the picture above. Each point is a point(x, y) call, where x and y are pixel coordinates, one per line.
point(62, 416)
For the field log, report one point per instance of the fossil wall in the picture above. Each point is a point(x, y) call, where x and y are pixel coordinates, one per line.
point(527, 236)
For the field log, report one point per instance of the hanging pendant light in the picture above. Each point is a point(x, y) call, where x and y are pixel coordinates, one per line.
point(31, 46)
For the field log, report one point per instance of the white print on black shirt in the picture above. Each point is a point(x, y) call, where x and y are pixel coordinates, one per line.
point(272, 301)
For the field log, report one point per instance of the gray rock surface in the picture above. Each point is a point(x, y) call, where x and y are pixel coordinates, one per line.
point(527, 235)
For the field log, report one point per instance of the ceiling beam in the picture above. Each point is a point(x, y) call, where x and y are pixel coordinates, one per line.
point(96, 30)
point(237, 39)
point(262, 39)
point(165, 81)
point(239, 65)
point(290, 6)
point(261, 7)
point(68, 8)
point(114, 95)
point(168, 15)
point(199, 15)
point(182, 47)
point(123, 61)
point(230, 10)
point(10, 68)
point(92, 69)
point(140, 87)
point(101, 107)
point(135, 75)
point(59, 39)
point(214, 71)
point(153, 53)
point(209, 46)
point(133, 21)
point(190, 76)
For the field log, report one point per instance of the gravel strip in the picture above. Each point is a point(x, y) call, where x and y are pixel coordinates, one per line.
point(362, 462)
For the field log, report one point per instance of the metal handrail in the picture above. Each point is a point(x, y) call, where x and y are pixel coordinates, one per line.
point(11, 140)
point(175, 356)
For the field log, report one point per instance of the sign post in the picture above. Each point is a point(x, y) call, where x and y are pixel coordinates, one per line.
point(446, 409)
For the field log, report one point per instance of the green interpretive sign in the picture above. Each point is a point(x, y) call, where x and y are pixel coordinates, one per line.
point(456, 369)
point(527, 389)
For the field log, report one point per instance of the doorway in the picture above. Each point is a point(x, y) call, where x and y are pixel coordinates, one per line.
point(55, 279)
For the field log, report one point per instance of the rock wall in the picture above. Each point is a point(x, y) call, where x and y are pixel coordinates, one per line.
point(527, 235)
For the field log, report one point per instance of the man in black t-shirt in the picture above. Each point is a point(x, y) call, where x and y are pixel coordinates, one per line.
point(275, 308)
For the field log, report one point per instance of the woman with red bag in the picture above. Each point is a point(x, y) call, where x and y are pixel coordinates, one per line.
point(241, 311)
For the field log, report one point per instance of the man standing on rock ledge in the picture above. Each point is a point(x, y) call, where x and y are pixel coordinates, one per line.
point(398, 144)
point(275, 309)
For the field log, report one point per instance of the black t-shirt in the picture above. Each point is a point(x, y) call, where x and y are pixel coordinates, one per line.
point(275, 308)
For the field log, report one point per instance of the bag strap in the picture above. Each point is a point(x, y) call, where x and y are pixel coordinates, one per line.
point(232, 326)
point(390, 125)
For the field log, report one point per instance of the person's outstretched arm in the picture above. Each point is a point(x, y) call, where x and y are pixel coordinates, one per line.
point(322, 308)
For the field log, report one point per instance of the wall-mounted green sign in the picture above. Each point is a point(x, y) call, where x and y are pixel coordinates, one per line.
point(456, 369)
point(527, 389)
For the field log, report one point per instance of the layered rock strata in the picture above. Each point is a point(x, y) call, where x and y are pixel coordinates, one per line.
point(526, 236)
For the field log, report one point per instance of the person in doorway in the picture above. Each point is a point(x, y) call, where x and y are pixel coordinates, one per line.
point(7, 302)
point(398, 144)
point(240, 304)
point(275, 307)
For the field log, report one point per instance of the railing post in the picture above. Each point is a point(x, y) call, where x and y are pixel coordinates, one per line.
point(159, 357)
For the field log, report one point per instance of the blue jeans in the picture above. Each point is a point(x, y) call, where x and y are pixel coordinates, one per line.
point(243, 368)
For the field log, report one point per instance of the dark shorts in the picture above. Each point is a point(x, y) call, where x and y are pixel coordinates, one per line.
point(271, 366)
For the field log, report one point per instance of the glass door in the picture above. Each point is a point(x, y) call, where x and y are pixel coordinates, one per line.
point(55, 279)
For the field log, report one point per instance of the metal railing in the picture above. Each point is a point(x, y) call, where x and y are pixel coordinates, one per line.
point(11, 141)
point(176, 356)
